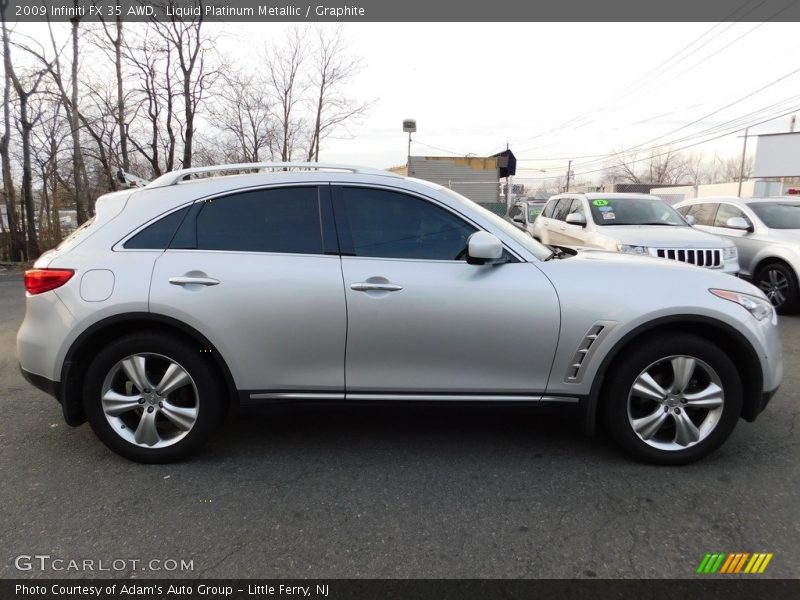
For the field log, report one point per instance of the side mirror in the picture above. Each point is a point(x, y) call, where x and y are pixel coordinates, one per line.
point(519, 219)
point(690, 220)
point(738, 223)
point(483, 248)
point(576, 219)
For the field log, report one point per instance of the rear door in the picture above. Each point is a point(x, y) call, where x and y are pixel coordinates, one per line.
point(421, 320)
point(257, 272)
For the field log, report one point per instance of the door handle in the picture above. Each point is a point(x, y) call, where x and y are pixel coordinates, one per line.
point(375, 287)
point(193, 281)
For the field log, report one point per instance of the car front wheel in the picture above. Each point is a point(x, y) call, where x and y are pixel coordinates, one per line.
point(151, 398)
point(673, 400)
point(779, 283)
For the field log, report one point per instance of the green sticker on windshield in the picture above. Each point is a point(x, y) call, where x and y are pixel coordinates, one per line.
point(600, 202)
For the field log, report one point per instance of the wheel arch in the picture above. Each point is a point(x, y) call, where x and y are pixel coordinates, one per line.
point(84, 348)
point(772, 258)
point(723, 335)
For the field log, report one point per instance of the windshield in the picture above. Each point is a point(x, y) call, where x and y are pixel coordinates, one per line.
point(633, 211)
point(778, 215)
point(538, 250)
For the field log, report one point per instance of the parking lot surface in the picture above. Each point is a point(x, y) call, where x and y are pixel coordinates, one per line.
point(390, 492)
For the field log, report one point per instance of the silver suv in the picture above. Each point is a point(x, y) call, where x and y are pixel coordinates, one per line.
point(766, 232)
point(631, 224)
point(309, 282)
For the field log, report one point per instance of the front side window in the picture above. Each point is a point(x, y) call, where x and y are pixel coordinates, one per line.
point(562, 209)
point(281, 220)
point(727, 211)
point(388, 224)
point(550, 208)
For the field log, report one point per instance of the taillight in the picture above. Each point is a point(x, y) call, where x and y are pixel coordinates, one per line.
point(44, 280)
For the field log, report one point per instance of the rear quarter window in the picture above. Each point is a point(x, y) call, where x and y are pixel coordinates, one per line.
point(158, 235)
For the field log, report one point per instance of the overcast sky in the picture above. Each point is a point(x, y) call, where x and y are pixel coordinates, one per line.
point(472, 87)
point(552, 91)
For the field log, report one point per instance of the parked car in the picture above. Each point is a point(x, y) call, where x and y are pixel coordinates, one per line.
point(766, 232)
point(307, 282)
point(632, 224)
point(522, 213)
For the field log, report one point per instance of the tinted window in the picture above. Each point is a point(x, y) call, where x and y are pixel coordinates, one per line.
point(158, 235)
point(704, 213)
point(684, 210)
point(778, 215)
point(727, 211)
point(389, 224)
point(562, 209)
point(275, 220)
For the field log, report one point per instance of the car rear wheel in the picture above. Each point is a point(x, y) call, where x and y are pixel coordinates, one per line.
point(779, 283)
point(673, 400)
point(151, 398)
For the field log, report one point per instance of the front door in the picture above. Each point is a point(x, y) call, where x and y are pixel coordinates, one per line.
point(421, 320)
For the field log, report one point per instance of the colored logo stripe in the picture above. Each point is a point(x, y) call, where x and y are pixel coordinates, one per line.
point(736, 562)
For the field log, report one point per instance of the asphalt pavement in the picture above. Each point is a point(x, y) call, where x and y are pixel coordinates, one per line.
point(387, 492)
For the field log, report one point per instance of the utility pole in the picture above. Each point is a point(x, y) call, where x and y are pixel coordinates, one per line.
point(569, 171)
point(741, 167)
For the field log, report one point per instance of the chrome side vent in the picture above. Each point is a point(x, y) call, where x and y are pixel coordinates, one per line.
point(585, 349)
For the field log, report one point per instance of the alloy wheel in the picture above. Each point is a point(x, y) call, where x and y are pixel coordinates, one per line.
point(150, 400)
point(775, 285)
point(676, 402)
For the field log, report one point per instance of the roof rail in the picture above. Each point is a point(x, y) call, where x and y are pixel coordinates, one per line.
point(174, 177)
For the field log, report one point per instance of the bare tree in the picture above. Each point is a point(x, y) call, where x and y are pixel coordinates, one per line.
point(114, 35)
point(243, 111)
point(288, 86)
point(153, 115)
point(188, 41)
point(732, 169)
point(26, 122)
point(656, 166)
point(333, 68)
point(16, 240)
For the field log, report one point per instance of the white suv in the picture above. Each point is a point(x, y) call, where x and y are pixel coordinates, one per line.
point(631, 224)
point(307, 282)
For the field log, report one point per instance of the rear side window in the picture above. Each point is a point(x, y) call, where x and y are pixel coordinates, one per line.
point(158, 235)
point(284, 220)
point(704, 213)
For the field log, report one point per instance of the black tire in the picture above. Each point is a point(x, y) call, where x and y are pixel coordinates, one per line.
point(206, 396)
point(641, 356)
point(776, 273)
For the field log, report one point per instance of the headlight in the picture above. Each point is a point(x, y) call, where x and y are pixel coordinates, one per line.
point(758, 307)
point(730, 253)
point(626, 249)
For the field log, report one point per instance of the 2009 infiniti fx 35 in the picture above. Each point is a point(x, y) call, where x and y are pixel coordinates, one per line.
point(318, 282)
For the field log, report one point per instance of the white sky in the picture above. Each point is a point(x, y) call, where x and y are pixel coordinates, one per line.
point(472, 87)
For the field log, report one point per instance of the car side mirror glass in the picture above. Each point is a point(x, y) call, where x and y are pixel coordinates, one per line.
point(690, 220)
point(738, 223)
point(483, 248)
point(576, 219)
point(518, 218)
